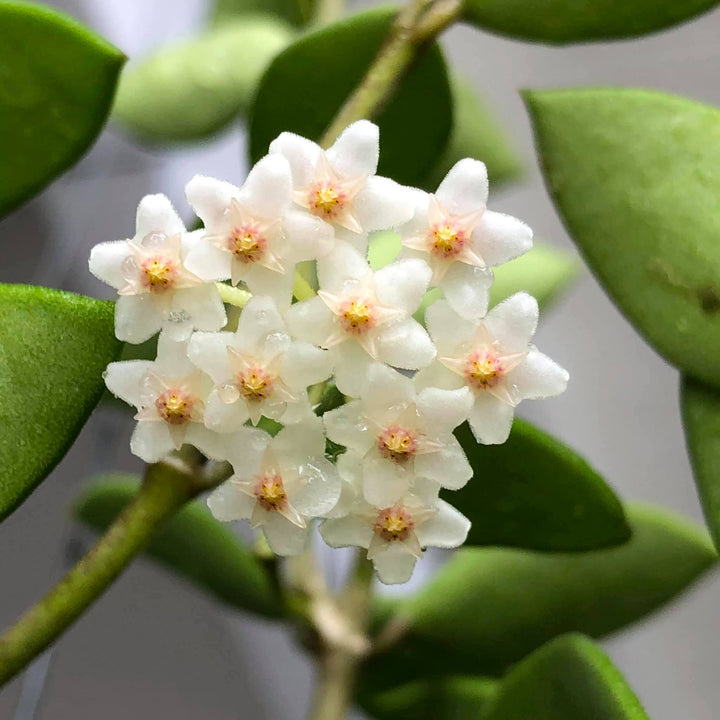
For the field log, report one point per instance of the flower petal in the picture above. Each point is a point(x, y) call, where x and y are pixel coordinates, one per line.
point(447, 528)
point(201, 306)
point(283, 537)
point(467, 289)
point(513, 322)
point(209, 262)
point(301, 153)
point(406, 345)
point(137, 318)
point(225, 417)
point(538, 376)
point(436, 375)
point(151, 441)
point(210, 199)
point(355, 153)
point(311, 321)
point(228, 503)
point(106, 260)
point(211, 444)
point(208, 351)
point(441, 411)
point(345, 425)
point(267, 190)
point(394, 565)
point(382, 204)
point(465, 188)
point(172, 359)
point(263, 281)
point(294, 443)
point(384, 482)
point(387, 389)
point(308, 236)
point(351, 368)
point(318, 489)
point(448, 330)
point(490, 419)
point(246, 450)
point(304, 364)
point(449, 467)
point(403, 284)
point(123, 379)
point(346, 531)
point(155, 214)
point(498, 238)
point(259, 318)
point(342, 269)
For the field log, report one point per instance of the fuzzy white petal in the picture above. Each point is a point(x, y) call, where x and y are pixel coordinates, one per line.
point(202, 305)
point(387, 388)
point(403, 284)
point(449, 467)
point(172, 359)
point(384, 482)
point(357, 150)
point(341, 269)
point(436, 375)
point(499, 238)
point(310, 320)
point(448, 528)
point(443, 410)
point(106, 261)
point(406, 345)
point(151, 441)
point(318, 488)
point(345, 425)
point(123, 379)
point(307, 236)
point(246, 450)
point(208, 351)
point(266, 191)
point(465, 188)
point(225, 417)
point(467, 289)
point(447, 329)
point(209, 443)
point(295, 442)
point(490, 419)
point(346, 531)
point(395, 565)
point(538, 376)
point(513, 322)
point(304, 364)
point(210, 198)
point(137, 318)
point(382, 204)
point(259, 318)
point(209, 262)
point(279, 286)
point(283, 537)
point(228, 503)
point(155, 214)
point(301, 153)
point(351, 368)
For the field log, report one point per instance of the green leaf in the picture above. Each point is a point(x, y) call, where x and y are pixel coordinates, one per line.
point(297, 12)
point(701, 417)
point(57, 81)
point(54, 348)
point(193, 544)
point(308, 82)
point(476, 134)
point(489, 607)
point(635, 176)
point(535, 492)
point(192, 89)
point(440, 698)
point(569, 678)
point(571, 21)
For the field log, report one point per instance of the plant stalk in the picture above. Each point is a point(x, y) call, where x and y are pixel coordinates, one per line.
point(166, 487)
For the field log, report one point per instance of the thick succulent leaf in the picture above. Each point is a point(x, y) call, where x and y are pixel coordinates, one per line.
point(569, 678)
point(307, 83)
point(439, 698)
point(194, 88)
point(489, 607)
point(535, 492)
point(476, 133)
point(192, 544)
point(54, 348)
point(571, 21)
point(57, 81)
point(633, 174)
point(701, 417)
point(297, 12)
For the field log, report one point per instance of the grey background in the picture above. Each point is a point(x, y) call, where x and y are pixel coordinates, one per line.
point(153, 647)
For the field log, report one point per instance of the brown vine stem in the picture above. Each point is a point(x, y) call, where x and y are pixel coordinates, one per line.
point(166, 487)
point(418, 23)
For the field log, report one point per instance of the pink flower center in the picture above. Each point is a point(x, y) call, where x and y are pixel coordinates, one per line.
point(483, 369)
point(270, 492)
point(397, 444)
point(394, 523)
point(158, 274)
point(255, 384)
point(247, 243)
point(327, 199)
point(446, 240)
point(358, 316)
point(175, 406)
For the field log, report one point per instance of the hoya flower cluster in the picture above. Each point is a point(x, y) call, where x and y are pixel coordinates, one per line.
point(406, 388)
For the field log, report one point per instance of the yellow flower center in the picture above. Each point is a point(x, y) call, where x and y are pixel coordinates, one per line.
point(175, 407)
point(446, 240)
point(246, 243)
point(393, 524)
point(326, 200)
point(357, 317)
point(270, 492)
point(397, 444)
point(483, 370)
point(158, 274)
point(255, 384)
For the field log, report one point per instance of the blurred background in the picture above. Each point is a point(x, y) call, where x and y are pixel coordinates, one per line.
point(153, 647)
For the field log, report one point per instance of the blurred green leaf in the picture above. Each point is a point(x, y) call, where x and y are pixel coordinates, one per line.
point(569, 678)
point(571, 21)
point(307, 83)
point(634, 175)
point(193, 544)
point(489, 607)
point(54, 348)
point(57, 81)
point(701, 417)
point(189, 90)
point(477, 134)
point(440, 698)
point(296, 12)
point(535, 492)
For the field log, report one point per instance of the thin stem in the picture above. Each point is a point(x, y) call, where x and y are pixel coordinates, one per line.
point(166, 487)
point(418, 23)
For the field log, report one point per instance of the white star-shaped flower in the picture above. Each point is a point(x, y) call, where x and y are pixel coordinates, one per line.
point(156, 289)
point(460, 239)
point(395, 535)
point(401, 434)
point(169, 394)
point(340, 185)
point(364, 315)
point(279, 484)
point(252, 234)
point(494, 358)
point(257, 370)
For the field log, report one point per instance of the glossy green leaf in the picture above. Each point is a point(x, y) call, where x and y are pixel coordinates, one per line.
point(194, 88)
point(701, 417)
point(570, 21)
point(439, 698)
point(569, 678)
point(193, 544)
point(476, 133)
point(635, 176)
point(54, 348)
point(297, 12)
point(308, 82)
point(57, 81)
point(489, 607)
point(535, 492)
